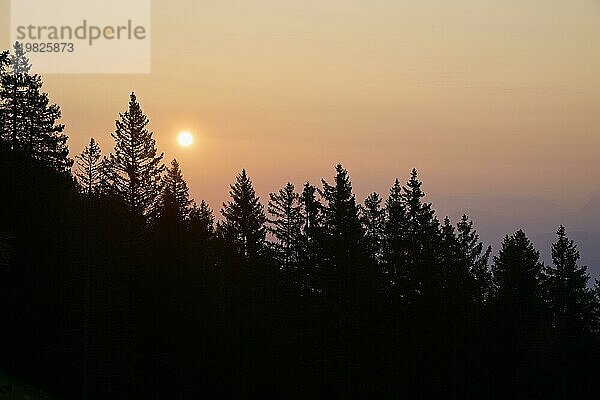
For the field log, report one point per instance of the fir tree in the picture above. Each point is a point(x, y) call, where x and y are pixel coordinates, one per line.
point(311, 241)
point(341, 218)
point(454, 274)
point(373, 222)
point(135, 167)
point(105, 187)
point(201, 222)
point(171, 217)
point(420, 216)
point(465, 274)
point(286, 224)
point(344, 251)
point(244, 218)
point(15, 81)
point(29, 120)
point(175, 204)
point(201, 234)
point(475, 259)
point(572, 304)
point(517, 308)
point(395, 242)
point(517, 279)
point(89, 168)
point(312, 214)
point(423, 272)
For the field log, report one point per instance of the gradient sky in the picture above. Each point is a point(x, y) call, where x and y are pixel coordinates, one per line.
point(483, 97)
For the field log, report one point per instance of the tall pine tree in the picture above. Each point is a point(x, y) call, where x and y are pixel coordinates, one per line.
point(170, 221)
point(15, 82)
point(29, 120)
point(311, 241)
point(517, 284)
point(174, 203)
point(89, 168)
point(201, 234)
point(572, 304)
point(395, 244)
point(244, 218)
point(346, 273)
point(423, 270)
point(135, 167)
point(518, 311)
point(373, 221)
point(202, 223)
point(105, 187)
point(285, 225)
point(475, 258)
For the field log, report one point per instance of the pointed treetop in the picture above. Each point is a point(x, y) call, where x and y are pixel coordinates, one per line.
point(175, 201)
point(136, 167)
point(244, 222)
point(89, 167)
point(413, 187)
point(19, 61)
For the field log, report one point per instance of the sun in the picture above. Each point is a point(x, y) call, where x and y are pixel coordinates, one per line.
point(185, 139)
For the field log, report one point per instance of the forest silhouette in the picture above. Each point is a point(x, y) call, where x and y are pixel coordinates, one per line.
point(115, 284)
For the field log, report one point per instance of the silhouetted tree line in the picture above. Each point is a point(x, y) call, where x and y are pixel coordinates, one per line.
point(114, 283)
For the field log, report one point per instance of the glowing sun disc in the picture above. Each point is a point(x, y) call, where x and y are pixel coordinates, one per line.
point(185, 139)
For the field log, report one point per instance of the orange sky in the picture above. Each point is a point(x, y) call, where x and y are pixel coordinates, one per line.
point(494, 97)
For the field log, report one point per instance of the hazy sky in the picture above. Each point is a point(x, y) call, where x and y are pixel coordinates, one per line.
point(483, 97)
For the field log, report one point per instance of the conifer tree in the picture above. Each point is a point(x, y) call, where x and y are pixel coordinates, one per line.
point(518, 309)
point(475, 259)
point(572, 303)
point(202, 222)
point(286, 224)
point(312, 215)
point(517, 279)
point(423, 272)
point(171, 217)
point(175, 204)
point(105, 187)
point(456, 282)
point(450, 256)
point(420, 215)
point(15, 82)
point(344, 244)
point(465, 275)
point(244, 218)
point(396, 242)
point(341, 218)
point(201, 234)
point(89, 168)
point(373, 221)
point(29, 120)
point(311, 241)
point(135, 167)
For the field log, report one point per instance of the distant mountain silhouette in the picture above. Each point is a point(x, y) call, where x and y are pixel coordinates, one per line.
point(497, 215)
